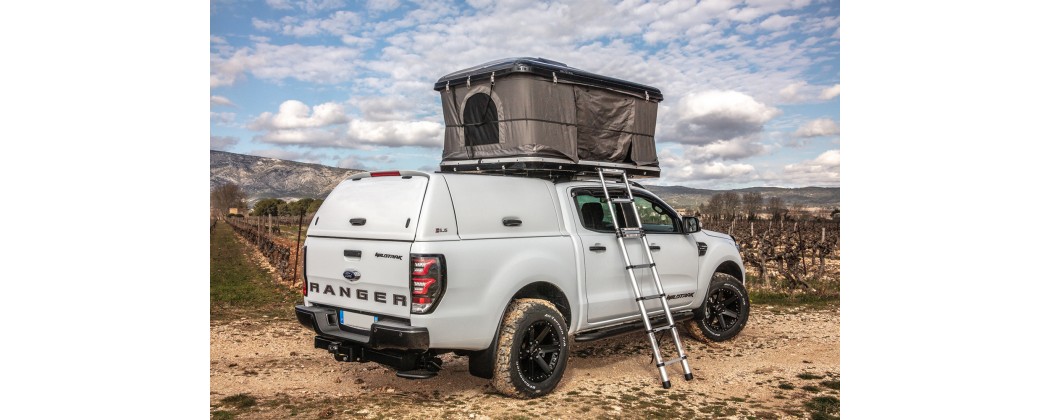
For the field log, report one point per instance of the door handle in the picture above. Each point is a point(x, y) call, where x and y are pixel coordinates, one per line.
point(654, 247)
point(511, 221)
point(597, 247)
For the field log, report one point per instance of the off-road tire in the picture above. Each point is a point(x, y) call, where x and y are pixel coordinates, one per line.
point(526, 319)
point(725, 296)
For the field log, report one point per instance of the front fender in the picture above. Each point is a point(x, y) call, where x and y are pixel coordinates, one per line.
point(721, 249)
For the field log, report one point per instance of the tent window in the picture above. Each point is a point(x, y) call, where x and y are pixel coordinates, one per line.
point(480, 120)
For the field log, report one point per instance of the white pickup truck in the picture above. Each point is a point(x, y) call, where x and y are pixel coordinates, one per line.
point(403, 266)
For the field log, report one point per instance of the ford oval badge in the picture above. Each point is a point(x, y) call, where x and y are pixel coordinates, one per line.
point(352, 275)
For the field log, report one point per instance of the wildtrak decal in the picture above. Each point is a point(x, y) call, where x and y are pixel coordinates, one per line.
point(681, 295)
point(396, 257)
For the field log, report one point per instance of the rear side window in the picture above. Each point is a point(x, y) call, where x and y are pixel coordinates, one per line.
point(595, 215)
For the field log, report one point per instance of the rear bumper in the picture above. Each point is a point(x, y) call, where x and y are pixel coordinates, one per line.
point(385, 334)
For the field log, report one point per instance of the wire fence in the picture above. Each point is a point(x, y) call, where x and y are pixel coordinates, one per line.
point(279, 239)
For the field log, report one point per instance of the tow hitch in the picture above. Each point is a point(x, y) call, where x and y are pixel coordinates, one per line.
point(408, 364)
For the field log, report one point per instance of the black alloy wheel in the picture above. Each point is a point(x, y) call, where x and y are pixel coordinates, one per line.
point(724, 312)
point(723, 309)
point(539, 352)
point(531, 349)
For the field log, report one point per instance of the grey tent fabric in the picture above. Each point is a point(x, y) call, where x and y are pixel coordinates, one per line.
point(538, 117)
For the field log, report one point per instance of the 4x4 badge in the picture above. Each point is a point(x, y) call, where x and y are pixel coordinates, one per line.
point(352, 275)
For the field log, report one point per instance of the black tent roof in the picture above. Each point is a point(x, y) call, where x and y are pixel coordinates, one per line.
point(544, 68)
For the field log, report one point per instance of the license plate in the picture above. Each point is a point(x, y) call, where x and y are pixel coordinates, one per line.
point(356, 320)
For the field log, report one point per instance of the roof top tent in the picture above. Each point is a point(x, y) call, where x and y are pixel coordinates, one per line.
point(532, 115)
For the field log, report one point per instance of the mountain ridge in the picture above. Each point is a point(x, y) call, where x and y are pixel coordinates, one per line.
point(263, 177)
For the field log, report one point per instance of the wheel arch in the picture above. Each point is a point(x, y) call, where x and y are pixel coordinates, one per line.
point(731, 268)
point(481, 361)
point(546, 291)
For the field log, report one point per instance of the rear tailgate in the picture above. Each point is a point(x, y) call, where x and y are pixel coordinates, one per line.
point(358, 244)
point(378, 280)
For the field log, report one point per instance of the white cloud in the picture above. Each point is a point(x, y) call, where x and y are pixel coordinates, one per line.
point(396, 133)
point(793, 92)
point(366, 163)
point(823, 170)
point(354, 162)
point(706, 117)
point(384, 108)
point(309, 6)
point(382, 5)
point(222, 101)
point(315, 64)
point(311, 137)
point(680, 169)
point(280, 4)
point(800, 91)
point(734, 149)
point(830, 92)
point(818, 127)
point(340, 23)
point(293, 114)
point(223, 142)
point(777, 22)
point(223, 118)
point(328, 124)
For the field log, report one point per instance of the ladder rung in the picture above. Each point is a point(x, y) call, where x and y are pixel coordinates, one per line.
point(671, 362)
point(632, 267)
point(622, 200)
point(658, 329)
point(650, 297)
point(630, 232)
point(611, 171)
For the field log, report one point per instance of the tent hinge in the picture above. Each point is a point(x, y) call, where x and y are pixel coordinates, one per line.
point(468, 81)
point(555, 75)
point(492, 79)
point(647, 95)
point(447, 83)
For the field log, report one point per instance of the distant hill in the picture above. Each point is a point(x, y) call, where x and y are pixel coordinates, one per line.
point(679, 196)
point(261, 177)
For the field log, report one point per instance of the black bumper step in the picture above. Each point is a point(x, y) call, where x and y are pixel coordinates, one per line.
point(663, 328)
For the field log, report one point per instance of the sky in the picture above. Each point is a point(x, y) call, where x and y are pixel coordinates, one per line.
point(751, 88)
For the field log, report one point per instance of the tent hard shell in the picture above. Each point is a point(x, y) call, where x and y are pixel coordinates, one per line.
point(535, 114)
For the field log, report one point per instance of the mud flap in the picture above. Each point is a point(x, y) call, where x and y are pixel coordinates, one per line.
point(483, 362)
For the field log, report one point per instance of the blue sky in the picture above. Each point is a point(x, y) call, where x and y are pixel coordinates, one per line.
point(751, 88)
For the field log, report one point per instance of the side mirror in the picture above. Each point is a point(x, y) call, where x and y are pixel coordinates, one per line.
point(692, 224)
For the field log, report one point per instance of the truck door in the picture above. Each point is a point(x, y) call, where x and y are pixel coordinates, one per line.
point(610, 297)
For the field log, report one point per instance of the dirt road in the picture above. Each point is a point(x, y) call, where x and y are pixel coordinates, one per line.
point(784, 364)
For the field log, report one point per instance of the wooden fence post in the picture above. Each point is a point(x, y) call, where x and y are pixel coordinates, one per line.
point(295, 265)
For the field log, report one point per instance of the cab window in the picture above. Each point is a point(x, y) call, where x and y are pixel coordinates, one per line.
point(594, 214)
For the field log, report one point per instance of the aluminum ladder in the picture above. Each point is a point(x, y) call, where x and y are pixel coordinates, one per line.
point(637, 232)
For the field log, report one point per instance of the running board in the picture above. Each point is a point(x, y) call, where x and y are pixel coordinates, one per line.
point(615, 330)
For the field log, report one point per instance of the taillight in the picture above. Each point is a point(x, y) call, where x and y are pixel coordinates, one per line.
point(304, 271)
point(428, 282)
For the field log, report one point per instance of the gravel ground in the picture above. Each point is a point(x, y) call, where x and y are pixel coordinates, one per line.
point(771, 370)
point(784, 364)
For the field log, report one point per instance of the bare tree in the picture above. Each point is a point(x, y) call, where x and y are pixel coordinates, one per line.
point(776, 208)
point(732, 204)
point(716, 206)
point(752, 204)
point(226, 196)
